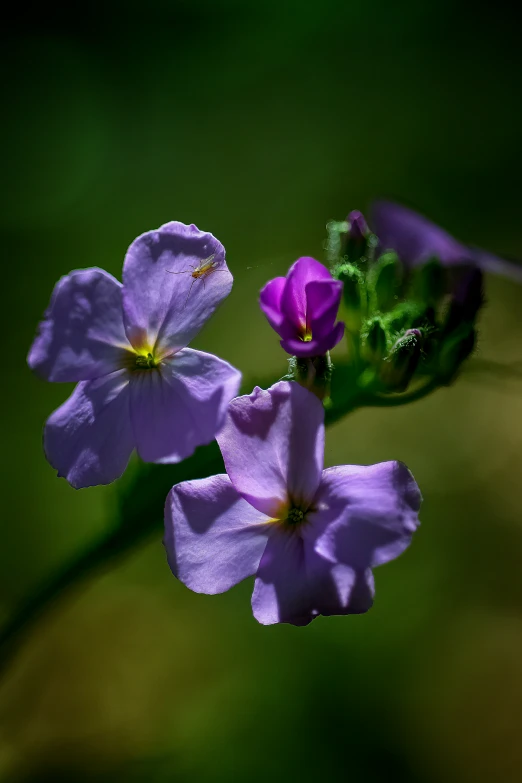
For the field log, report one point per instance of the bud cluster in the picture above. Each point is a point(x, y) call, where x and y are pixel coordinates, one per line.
point(406, 327)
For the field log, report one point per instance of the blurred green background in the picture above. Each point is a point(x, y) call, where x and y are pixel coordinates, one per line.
point(260, 122)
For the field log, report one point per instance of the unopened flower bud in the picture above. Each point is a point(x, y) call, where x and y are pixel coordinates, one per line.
point(467, 297)
point(374, 343)
point(356, 239)
point(456, 347)
point(354, 296)
point(385, 280)
point(430, 282)
point(399, 366)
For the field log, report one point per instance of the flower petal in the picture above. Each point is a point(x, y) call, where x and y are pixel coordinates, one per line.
point(270, 301)
point(82, 335)
point(416, 239)
point(181, 404)
point(214, 539)
point(413, 237)
point(294, 584)
point(89, 440)
point(293, 300)
point(316, 346)
point(368, 513)
point(273, 446)
point(323, 298)
point(164, 305)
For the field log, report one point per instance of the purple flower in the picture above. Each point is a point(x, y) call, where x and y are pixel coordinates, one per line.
point(140, 387)
point(417, 240)
point(302, 308)
point(311, 536)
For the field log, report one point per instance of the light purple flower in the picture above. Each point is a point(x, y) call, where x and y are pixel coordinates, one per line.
point(139, 386)
point(310, 536)
point(302, 308)
point(416, 240)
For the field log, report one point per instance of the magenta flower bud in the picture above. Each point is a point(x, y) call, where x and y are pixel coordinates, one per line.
point(302, 308)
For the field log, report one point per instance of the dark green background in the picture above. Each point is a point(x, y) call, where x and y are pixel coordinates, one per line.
point(260, 122)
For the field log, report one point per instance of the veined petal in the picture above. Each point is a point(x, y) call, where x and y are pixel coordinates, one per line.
point(293, 300)
point(181, 404)
point(368, 513)
point(89, 440)
point(294, 584)
point(82, 335)
point(273, 446)
point(173, 280)
point(214, 539)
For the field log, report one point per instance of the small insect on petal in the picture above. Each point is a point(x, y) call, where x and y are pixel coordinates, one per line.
point(203, 270)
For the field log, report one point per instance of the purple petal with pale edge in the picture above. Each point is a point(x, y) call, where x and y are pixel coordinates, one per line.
point(82, 335)
point(294, 584)
point(413, 237)
point(369, 513)
point(181, 404)
point(273, 446)
point(164, 306)
point(89, 439)
point(293, 300)
point(214, 539)
point(316, 347)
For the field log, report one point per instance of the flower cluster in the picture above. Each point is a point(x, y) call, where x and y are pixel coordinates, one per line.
point(408, 298)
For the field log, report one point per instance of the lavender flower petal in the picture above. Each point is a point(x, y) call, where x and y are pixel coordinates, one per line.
point(82, 335)
point(294, 584)
point(273, 445)
point(180, 404)
point(416, 240)
point(413, 237)
point(164, 305)
point(214, 539)
point(89, 439)
point(369, 513)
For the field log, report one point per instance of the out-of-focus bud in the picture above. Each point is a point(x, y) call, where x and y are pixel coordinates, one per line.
point(374, 344)
point(398, 367)
point(430, 282)
point(385, 280)
point(455, 348)
point(356, 240)
point(467, 297)
point(354, 299)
